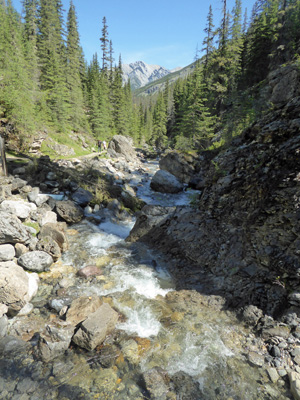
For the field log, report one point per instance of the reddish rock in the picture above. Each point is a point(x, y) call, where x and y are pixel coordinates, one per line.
point(89, 270)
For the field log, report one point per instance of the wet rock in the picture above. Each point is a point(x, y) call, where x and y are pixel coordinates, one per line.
point(185, 387)
point(89, 270)
point(69, 211)
point(157, 383)
point(130, 350)
point(56, 232)
point(82, 197)
point(13, 286)
point(20, 209)
point(165, 182)
point(10, 345)
point(48, 245)
point(96, 327)
point(11, 229)
point(37, 261)
point(82, 308)
point(7, 252)
point(54, 340)
point(251, 315)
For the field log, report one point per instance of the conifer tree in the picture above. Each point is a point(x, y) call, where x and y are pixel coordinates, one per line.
point(209, 39)
point(75, 98)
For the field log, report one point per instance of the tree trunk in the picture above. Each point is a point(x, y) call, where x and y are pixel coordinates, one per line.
point(3, 167)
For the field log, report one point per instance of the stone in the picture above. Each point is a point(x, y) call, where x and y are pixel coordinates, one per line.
point(69, 211)
point(11, 229)
point(54, 340)
point(7, 252)
point(179, 165)
point(96, 327)
point(294, 378)
point(120, 146)
point(82, 308)
point(3, 309)
point(89, 270)
point(3, 326)
point(165, 182)
point(56, 232)
point(82, 197)
point(255, 359)
point(13, 286)
point(20, 249)
point(156, 382)
point(37, 261)
point(273, 374)
point(20, 209)
point(49, 246)
point(48, 217)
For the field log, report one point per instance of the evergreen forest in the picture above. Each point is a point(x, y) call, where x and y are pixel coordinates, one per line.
point(46, 85)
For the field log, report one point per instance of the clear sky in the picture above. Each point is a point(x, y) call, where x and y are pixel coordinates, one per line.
point(162, 32)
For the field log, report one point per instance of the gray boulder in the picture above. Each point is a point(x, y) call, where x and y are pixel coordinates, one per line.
point(11, 229)
point(96, 327)
point(69, 211)
point(120, 146)
point(165, 182)
point(179, 165)
point(82, 197)
point(54, 340)
point(37, 261)
point(56, 232)
point(7, 252)
point(14, 285)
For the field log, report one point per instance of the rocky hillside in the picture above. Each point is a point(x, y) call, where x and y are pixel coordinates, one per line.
point(241, 239)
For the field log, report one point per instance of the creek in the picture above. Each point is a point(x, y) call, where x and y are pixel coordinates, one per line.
point(200, 347)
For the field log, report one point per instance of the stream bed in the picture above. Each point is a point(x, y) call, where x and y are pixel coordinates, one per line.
point(185, 344)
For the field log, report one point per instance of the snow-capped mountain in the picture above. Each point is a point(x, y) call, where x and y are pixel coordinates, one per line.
point(140, 73)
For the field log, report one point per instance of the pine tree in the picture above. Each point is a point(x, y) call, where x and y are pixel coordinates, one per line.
point(105, 46)
point(208, 41)
point(77, 118)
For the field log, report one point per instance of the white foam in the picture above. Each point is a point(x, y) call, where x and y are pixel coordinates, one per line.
point(140, 321)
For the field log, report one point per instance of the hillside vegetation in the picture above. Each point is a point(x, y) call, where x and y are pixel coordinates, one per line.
point(49, 92)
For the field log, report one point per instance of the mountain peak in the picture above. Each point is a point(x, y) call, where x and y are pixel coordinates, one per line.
point(140, 73)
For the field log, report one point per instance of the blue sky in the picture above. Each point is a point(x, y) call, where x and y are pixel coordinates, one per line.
point(163, 32)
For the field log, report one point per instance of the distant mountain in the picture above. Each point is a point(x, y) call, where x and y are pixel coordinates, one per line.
point(159, 84)
point(140, 73)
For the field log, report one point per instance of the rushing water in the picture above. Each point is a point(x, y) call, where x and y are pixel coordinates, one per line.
point(159, 327)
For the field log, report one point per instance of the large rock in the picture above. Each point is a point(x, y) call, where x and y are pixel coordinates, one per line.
point(69, 211)
point(56, 232)
point(37, 261)
point(165, 182)
point(82, 197)
point(54, 340)
point(11, 229)
point(96, 327)
point(14, 285)
point(21, 209)
point(81, 308)
point(179, 165)
point(49, 246)
point(120, 146)
point(149, 217)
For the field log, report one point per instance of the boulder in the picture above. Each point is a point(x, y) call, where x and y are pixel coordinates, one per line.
point(179, 165)
point(54, 340)
point(49, 246)
point(165, 182)
point(7, 252)
point(150, 216)
point(14, 285)
point(21, 209)
point(82, 197)
point(120, 146)
point(96, 327)
point(56, 232)
point(37, 261)
point(157, 383)
point(81, 308)
point(48, 217)
point(11, 229)
point(69, 211)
